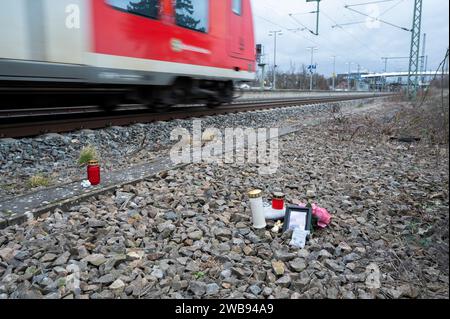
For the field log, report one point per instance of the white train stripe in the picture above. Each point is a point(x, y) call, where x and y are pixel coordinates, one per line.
point(127, 63)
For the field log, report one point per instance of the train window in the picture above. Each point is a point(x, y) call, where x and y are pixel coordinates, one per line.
point(146, 8)
point(192, 14)
point(237, 6)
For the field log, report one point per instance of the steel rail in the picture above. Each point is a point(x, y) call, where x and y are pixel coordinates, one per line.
point(49, 120)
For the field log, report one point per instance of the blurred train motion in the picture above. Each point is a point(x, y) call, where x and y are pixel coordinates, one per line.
point(155, 52)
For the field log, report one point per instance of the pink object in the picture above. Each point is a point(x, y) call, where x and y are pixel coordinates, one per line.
point(323, 216)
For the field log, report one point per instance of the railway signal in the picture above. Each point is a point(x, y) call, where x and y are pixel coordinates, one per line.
point(312, 67)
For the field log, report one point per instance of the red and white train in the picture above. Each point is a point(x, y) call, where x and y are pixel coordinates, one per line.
point(158, 52)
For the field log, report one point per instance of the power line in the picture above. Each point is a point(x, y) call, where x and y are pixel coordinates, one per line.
point(304, 26)
point(344, 13)
point(391, 8)
point(367, 3)
point(361, 22)
point(287, 29)
point(377, 19)
point(365, 45)
point(348, 23)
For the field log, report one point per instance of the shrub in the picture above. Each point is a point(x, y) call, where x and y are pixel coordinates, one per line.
point(38, 180)
point(87, 154)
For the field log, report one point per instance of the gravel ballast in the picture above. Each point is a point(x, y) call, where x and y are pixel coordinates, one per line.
point(55, 156)
point(187, 233)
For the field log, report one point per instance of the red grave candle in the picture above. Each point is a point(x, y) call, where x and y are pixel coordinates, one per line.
point(278, 200)
point(93, 172)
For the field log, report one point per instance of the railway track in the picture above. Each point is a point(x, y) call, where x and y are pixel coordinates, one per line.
point(16, 123)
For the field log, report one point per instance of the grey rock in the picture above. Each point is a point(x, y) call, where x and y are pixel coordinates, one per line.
point(351, 257)
point(267, 291)
point(298, 264)
point(241, 273)
point(182, 260)
point(106, 279)
point(53, 295)
point(62, 260)
point(114, 260)
point(255, 239)
point(284, 256)
point(310, 193)
point(296, 295)
point(196, 235)
point(189, 213)
point(122, 197)
point(212, 289)
point(222, 232)
point(48, 257)
point(95, 223)
point(353, 278)
point(260, 275)
point(82, 252)
point(31, 294)
point(170, 215)
point(105, 294)
point(303, 253)
point(255, 289)
point(332, 265)
point(117, 285)
point(284, 281)
point(324, 254)
point(95, 259)
point(197, 287)
point(166, 229)
point(349, 295)
point(332, 293)
point(157, 273)
point(226, 273)
point(21, 255)
point(301, 284)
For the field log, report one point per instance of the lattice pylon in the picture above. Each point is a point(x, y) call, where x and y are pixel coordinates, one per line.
point(414, 56)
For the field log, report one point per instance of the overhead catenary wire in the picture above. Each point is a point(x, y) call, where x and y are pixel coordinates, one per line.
point(391, 8)
point(283, 27)
point(379, 16)
point(345, 12)
point(324, 43)
point(287, 29)
point(304, 26)
point(367, 3)
point(351, 35)
point(377, 19)
point(293, 30)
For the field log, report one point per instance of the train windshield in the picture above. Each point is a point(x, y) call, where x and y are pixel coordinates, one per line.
point(146, 8)
point(192, 14)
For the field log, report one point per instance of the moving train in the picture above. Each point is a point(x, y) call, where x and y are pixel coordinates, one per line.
point(155, 52)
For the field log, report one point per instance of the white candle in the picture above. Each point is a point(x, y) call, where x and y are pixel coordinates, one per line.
point(256, 204)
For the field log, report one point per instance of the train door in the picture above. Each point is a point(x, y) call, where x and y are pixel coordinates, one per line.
point(13, 31)
point(44, 30)
point(236, 36)
point(66, 29)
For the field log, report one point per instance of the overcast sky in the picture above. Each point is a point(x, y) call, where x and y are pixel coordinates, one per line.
point(364, 43)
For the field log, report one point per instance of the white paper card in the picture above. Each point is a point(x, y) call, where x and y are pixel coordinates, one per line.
point(297, 219)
